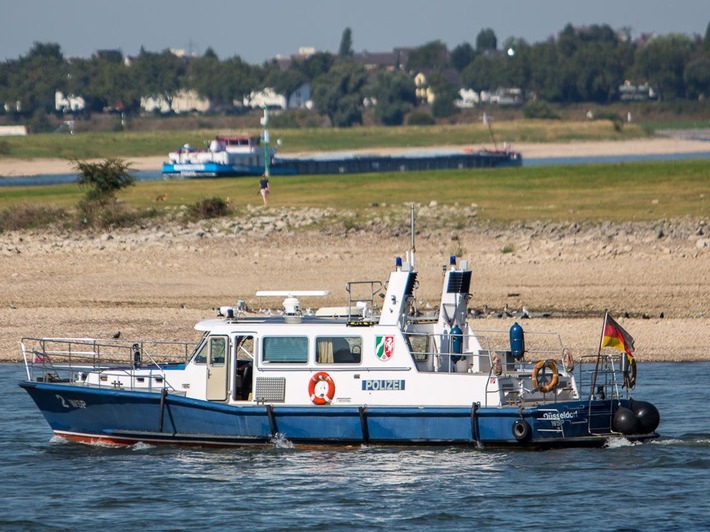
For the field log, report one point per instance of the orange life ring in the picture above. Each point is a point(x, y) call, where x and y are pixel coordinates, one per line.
point(323, 399)
point(546, 383)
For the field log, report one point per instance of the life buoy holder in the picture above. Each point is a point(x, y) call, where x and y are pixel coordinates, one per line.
point(324, 398)
point(630, 373)
point(545, 383)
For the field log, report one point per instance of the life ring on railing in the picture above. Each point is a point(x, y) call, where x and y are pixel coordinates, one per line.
point(630, 373)
point(567, 360)
point(545, 383)
point(324, 398)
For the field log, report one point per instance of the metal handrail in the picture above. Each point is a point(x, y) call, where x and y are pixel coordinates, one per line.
point(71, 359)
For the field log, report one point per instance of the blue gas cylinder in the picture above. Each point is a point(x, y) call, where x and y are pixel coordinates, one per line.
point(517, 341)
point(456, 339)
point(456, 342)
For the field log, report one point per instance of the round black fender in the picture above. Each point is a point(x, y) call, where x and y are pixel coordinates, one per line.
point(521, 430)
point(647, 416)
point(625, 421)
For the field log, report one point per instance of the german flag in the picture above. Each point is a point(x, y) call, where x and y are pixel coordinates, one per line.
point(615, 336)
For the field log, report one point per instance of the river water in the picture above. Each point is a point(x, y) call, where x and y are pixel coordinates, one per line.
point(51, 485)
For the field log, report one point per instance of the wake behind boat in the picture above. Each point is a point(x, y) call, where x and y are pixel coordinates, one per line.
point(375, 371)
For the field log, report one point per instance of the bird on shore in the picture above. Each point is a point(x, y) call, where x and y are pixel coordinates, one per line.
point(117, 335)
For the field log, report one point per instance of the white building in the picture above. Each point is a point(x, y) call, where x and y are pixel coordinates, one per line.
point(183, 102)
point(68, 104)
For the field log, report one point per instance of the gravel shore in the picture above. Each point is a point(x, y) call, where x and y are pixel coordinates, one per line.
point(156, 282)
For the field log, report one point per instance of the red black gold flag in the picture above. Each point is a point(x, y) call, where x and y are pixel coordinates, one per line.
point(615, 336)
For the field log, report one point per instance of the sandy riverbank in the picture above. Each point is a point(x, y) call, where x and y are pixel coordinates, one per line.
point(12, 167)
point(156, 282)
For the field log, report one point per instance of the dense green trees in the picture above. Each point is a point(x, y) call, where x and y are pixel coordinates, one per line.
point(662, 61)
point(339, 93)
point(395, 96)
point(578, 65)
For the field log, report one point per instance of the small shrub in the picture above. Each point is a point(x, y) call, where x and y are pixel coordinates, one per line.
point(103, 179)
point(39, 123)
point(420, 118)
point(29, 217)
point(100, 215)
point(284, 120)
point(537, 109)
point(616, 120)
point(208, 208)
point(508, 248)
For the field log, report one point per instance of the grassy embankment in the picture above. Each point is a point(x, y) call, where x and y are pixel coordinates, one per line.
point(615, 192)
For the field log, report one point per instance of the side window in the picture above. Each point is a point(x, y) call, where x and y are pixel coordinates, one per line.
point(218, 349)
point(213, 348)
point(201, 354)
point(419, 345)
point(285, 349)
point(339, 350)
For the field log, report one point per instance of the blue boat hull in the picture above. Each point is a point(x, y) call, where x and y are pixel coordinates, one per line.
point(217, 170)
point(126, 417)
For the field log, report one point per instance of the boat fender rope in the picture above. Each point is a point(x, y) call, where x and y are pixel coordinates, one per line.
point(325, 398)
point(545, 383)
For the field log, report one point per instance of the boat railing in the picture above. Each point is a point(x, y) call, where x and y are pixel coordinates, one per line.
point(362, 294)
point(131, 363)
point(538, 346)
point(601, 376)
point(440, 353)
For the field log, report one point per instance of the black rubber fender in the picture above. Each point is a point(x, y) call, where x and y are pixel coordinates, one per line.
point(647, 416)
point(521, 430)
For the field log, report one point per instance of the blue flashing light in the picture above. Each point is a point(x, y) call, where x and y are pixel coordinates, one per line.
point(398, 262)
point(452, 260)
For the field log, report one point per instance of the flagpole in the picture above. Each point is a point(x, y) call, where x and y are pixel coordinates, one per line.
point(599, 355)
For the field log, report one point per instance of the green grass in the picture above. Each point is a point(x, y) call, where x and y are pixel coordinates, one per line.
point(613, 192)
point(158, 143)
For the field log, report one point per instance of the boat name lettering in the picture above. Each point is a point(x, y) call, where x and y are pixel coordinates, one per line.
point(560, 415)
point(383, 384)
point(71, 403)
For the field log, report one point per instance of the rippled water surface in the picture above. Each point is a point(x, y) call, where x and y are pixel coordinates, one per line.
point(51, 485)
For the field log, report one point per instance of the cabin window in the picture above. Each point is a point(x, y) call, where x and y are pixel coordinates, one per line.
point(338, 350)
point(420, 345)
point(285, 349)
point(218, 349)
point(214, 349)
point(201, 354)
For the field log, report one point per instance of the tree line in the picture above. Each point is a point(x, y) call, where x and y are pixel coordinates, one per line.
point(580, 64)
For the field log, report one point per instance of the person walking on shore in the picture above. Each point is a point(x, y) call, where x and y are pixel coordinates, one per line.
point(264, 188)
